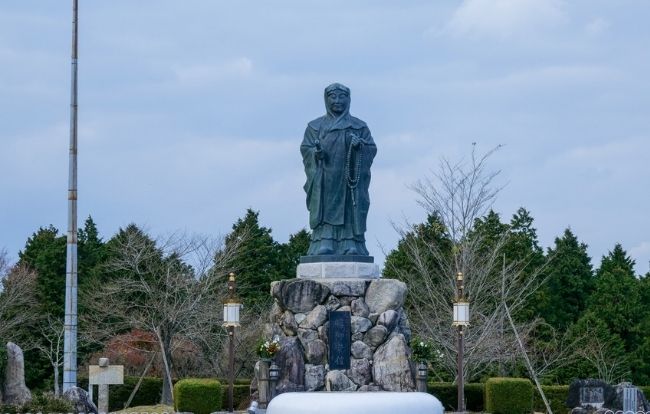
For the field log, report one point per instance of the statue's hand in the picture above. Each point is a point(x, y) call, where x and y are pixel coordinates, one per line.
point(355, 141)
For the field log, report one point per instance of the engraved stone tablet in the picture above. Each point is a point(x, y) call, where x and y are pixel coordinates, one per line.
point(592, 396)
point(339, 340)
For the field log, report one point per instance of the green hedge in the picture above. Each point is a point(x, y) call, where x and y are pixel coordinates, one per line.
point(508, 396)
point(238, 381)
point(447, 393)
point(241, 395)
point(556, 396)
point(198, 395)
point(149, 392)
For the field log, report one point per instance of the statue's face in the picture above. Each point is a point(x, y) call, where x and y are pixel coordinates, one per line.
point(338, 102)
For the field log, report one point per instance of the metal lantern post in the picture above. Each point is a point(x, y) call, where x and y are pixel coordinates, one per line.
point(231, 320)
point(274, 376)
point(461, 320)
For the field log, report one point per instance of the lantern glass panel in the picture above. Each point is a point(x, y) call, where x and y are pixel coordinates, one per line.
point(231, 314)
point(461, 314)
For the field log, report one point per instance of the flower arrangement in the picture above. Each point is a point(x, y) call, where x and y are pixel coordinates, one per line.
point(422, 350)
point(267, 349)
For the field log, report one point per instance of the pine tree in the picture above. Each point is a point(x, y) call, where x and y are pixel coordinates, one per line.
point(617, 297)
point(256, 261)
point(523, 246)
point(570, 281)
point(418, 244)
point(45, 253)
point(290, 252)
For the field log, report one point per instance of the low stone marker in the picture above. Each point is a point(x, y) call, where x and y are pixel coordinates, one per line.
point(589, 395)
point(15, 390)
point(629, 399)
point(104, 375)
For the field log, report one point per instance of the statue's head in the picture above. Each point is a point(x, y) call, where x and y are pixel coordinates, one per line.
point(337, 99)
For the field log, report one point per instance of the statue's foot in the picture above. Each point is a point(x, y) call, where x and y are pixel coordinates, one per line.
point(352, 251)
point(325, 250)
point(326, 247)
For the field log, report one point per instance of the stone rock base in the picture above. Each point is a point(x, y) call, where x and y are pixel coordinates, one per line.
point(380, 334)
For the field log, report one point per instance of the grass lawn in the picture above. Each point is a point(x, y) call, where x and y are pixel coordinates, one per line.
point(148, 409)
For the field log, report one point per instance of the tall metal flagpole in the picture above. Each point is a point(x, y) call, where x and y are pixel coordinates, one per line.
point(70, 323)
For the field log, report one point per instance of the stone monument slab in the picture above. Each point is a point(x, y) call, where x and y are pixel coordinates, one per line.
point(339, 340)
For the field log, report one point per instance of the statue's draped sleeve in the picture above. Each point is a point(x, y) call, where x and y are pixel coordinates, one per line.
point(314, 174)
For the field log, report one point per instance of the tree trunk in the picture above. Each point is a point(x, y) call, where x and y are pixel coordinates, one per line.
point(164, 339)
point(57, 390)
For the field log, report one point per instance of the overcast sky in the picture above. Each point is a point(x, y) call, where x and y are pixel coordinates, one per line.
point(192, 111)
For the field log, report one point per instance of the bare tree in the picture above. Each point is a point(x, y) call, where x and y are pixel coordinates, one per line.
point(51, 330)
point(171, 288)
point(16, 299)
point(599, 351)
point(459, 194)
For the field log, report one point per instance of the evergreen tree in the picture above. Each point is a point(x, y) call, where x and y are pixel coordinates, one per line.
point(419, 244)
point(92, 254)
point(601, 353)
point(45, 252)
point(523, 246)
point(570, 281)
point(290, 252)
point(616, 298)
point(256, 258)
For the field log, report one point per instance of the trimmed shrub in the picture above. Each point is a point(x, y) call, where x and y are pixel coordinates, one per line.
point(149, 393)
point(556, 396)
point(238, 381)
point(198, 395)
point(240, 393)
point(508, 396)
point(447, 393)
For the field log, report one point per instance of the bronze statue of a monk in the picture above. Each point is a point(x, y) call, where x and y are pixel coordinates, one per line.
point(337, 152)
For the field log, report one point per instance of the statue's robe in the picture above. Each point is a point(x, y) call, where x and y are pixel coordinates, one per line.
point(334, 212)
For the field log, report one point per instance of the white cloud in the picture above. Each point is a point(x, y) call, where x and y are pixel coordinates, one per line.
point(505, 18)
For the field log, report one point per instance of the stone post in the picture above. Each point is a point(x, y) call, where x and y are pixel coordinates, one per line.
point(102, 390)
point(263, 384)
point(103, 375)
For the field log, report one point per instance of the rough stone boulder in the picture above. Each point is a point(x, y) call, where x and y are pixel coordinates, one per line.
point(315, 318)
point(15, 390)
point(346, 287)
point(338, 381)
point(391, 368)
point(314, 377)
point(385, 294)
point(80, 400)
point(299, 295)
point(292, 366)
